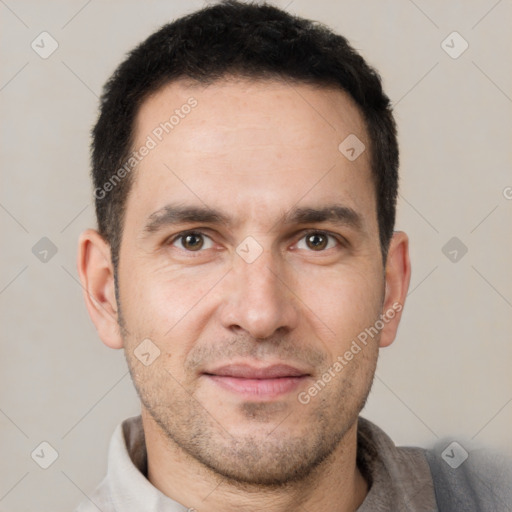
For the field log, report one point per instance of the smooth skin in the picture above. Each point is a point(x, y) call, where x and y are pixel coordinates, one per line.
point(254, 151)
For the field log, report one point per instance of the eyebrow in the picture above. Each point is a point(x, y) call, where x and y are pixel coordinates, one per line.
point(178, 214)
point(173, 214)
point(336, 214)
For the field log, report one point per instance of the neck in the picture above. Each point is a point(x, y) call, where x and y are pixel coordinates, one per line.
point(336, 484)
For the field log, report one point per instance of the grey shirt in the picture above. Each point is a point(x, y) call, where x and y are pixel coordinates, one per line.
point(400, 479)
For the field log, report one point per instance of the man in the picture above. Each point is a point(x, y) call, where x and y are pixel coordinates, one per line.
point(245, 166)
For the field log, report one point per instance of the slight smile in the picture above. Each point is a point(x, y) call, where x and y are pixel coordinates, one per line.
point(262, 384)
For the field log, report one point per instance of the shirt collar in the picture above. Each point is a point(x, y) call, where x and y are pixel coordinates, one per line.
point(130, 490)
point(395, 475)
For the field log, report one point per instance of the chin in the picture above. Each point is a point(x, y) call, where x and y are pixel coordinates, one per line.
point(267, 459)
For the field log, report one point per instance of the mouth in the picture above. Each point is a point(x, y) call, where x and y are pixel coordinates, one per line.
point(253, 383)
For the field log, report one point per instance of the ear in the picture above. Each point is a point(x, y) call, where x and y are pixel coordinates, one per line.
point(97, 277)
point(398, 276)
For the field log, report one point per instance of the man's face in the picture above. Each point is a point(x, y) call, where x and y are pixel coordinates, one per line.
point(250, 311)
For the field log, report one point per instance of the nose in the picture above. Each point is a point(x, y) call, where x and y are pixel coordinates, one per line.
point(258, 298)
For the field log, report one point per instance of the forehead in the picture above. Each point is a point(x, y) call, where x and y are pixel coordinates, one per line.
point(225, 110)
point(249, 146)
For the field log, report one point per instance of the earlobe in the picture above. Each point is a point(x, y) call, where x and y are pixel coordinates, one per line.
point(97, 277)
point(397, 276)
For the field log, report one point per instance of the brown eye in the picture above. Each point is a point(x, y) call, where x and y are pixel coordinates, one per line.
point(192, 241)
point(316, 241)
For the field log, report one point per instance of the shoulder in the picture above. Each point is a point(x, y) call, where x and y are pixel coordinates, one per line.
point(99, 500)
point(126, 461)
point(449, 477)
point(470, 480)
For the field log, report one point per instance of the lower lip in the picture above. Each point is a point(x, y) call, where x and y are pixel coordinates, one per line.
point(259, 388)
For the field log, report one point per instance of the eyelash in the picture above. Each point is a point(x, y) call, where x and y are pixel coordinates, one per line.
point(340, 241)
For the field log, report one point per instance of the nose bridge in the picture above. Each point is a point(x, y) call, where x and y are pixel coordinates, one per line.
point(260, 277)
point(258, 300)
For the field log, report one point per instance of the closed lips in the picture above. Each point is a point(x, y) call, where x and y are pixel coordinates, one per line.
point(250, 372)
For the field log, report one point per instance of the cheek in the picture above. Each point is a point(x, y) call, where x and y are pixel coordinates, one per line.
point(160, 304)
point(345, 301)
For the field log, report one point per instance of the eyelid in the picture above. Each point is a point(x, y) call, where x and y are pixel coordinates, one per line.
point(311, 231)
point(182, 234)
point(303, 233)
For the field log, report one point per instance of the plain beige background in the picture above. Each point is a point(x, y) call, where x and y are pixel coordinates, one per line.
point(448, 373)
